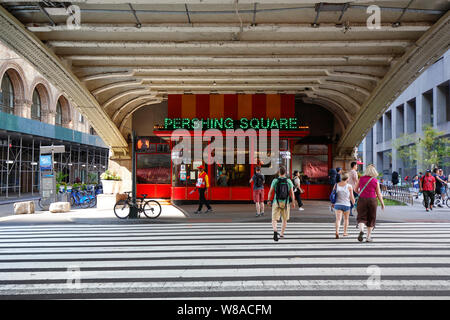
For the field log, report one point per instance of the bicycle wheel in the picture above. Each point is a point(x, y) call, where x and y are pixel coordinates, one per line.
point(447, 202)
point(152, 209)
point(93, 202)
point(85, 201)
point(122, 209)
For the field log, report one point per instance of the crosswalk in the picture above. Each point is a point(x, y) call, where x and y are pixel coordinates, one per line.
point(223, 261)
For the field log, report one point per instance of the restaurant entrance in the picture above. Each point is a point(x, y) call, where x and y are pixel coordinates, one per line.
point(160, 174)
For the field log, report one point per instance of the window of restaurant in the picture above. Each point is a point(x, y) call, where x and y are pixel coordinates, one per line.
point(186, 174)
point(153, 165)
point(312, 161)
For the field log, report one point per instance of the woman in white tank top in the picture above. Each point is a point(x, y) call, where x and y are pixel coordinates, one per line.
point(344, 200)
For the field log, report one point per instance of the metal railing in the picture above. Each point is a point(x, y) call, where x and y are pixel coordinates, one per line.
point(405, 194)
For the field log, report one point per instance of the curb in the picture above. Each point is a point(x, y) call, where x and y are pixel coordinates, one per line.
point(18, 200)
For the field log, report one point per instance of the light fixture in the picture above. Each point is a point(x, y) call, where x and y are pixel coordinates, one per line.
point(34, 163)
point(83, 165)
point(10, 162)
point(69, 164)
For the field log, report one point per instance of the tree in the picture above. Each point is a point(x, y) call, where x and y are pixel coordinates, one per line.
point(435, 148)
point(432, 150)
point(407, 150)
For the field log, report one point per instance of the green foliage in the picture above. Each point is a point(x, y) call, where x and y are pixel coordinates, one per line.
point(435, 149)
point(431, 150)
point(60, 177)
point(92, 178)
point(108, 175)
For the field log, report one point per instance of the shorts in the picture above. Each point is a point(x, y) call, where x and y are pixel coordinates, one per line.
point(341, 207)
point(442, 190)
point(278, 212)
point(258, 195)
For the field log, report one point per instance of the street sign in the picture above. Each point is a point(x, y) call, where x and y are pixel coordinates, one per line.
point(53, 149)
point(46, 162)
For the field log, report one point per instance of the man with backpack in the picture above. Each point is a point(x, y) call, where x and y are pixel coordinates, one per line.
point(283, 188)
point(258, 191)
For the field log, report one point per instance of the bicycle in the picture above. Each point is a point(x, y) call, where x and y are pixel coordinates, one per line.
point(438, 201)
point(79, 199)
point(150, 208)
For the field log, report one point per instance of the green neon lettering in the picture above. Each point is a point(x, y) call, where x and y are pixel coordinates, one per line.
point(274, 124)
point(176, 123)
point(196, 123)
point(254, 123)
point(293, 123)
point(283, 123)
point(265, 123)
point(244, 123)
point(167, 123)
point(185, 123)
point(218, 123)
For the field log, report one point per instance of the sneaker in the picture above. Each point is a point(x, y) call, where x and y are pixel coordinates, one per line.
point(197, 212)
point(427, 210)
point(209, 210)
point(257, 214)
point(431, 208)
point(261, 214)
point(369, 239)
point(275, 236)
point(360, 237)
point(301, 209)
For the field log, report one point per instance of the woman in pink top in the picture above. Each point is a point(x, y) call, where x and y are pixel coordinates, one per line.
point(367, 202)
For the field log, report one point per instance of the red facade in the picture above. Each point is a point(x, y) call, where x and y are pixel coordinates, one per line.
point(314, 160)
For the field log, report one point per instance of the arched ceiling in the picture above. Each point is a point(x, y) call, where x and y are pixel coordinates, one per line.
point(124, 56)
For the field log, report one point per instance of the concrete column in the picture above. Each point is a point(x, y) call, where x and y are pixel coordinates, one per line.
point(374, 144)
point(393, 125)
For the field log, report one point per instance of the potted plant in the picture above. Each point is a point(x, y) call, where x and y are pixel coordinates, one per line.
point(109, 182)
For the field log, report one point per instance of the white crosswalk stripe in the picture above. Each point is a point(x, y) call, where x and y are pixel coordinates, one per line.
point(223, 261)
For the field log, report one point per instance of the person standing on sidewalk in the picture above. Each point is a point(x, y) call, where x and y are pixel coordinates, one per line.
point(344, 200)
point(444, 181)
point(353, 180)
point(283, 188)
point(427, 187)
point(258, 191)
point(202, 187)
point(369, 191)
point(298, 190)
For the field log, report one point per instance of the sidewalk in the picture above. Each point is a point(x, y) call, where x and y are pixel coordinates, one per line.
point(15, 198)
point(315, 211)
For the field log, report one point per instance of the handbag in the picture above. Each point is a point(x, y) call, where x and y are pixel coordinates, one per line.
point(356, 200)
point(333, 195)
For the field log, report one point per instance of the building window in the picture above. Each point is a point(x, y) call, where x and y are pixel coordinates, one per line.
point(81, 118)
point(153, 167)
point(7, 95)
point(58, 116)
point(36, 106)
point(92, 131)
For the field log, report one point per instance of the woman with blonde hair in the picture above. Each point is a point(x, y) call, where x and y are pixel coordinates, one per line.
point(369, 190)
point(344, 201)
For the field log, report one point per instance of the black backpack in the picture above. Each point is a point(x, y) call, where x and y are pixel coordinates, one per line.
point(282, 189)
point(259, 180)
